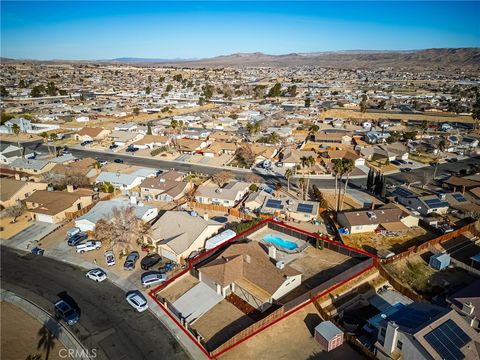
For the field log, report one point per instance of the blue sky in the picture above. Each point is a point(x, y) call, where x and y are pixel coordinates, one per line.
point(155, 29)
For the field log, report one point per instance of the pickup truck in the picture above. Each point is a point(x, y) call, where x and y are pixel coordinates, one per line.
point(88, 246)
point(66, 312)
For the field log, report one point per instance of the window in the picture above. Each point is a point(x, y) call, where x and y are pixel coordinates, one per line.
point(399, 345)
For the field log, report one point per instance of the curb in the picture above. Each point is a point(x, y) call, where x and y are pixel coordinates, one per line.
point(61, 332)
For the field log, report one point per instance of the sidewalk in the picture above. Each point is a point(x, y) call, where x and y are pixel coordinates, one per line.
point(62, 253)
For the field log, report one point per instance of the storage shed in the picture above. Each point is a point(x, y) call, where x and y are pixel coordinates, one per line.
point(328, 335)
point(439, 261)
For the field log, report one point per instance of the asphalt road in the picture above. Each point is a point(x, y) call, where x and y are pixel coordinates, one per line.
point(107, 323)
point(272, 180)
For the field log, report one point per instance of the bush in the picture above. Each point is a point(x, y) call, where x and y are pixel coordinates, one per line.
point(253, 187)
point(107, 188)
point(159, 150)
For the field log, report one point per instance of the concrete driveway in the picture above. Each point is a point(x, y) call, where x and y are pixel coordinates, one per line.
point(27, 238)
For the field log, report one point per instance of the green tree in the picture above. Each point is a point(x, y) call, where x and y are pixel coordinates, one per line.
point(201, 101)
point(288, 175)
point(22, 84)
point(253, 128)
point(136, 111)
point(410, 135)
point(149, 129)
point(363, 104)
point(37, 91)
point(276, 90)
point(52, 90)
point(16, 131)
point(259, 91)
point(148, 90)
point(292, 90)
point(44, 136)
point(308, 102)
point(169, 88)
point(208, 91)
point(4, 117)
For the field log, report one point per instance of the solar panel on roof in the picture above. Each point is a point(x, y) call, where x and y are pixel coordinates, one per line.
point(447, 340)
point(412, 318)
point(402, 192)
point(274, 204)
point(436, 203)
point(459, 197)
point(305, 208)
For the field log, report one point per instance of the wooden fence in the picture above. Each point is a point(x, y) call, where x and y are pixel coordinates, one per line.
point(212, 207)
point(250, 330)
point(472, 227)
point(397, 285)
point(75, 214)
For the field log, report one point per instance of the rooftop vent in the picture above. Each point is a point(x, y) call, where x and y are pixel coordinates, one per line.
point(280, 264)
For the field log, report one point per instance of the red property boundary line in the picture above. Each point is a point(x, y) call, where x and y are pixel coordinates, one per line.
point(253, 228)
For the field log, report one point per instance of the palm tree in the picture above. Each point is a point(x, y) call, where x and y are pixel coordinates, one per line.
point(273, 138)
point(46, 341)
point(16, 131)
point(288, 175)
point(53, 138)
point(338, 171)
point(348, 166)
point(307, 162)
point(301, 183)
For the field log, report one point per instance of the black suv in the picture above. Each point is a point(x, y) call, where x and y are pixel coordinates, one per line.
point(64, 311)
point(76, 239)
point(150, 260)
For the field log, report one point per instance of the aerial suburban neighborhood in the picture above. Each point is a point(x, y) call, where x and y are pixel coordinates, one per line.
point(321, 205)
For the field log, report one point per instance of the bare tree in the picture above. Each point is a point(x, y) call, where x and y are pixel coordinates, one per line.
point(252, 178)
point(409, 179)
point(122, 230)
point(15, 211)
point(222, 177)
point(426, 178)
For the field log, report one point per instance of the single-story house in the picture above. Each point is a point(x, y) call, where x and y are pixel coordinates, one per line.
point(125, 181)
point(247, 270)
point(227, 196)
point(190, 146)
point(91, 134)
point(152, 141)
point(178, 234)
point(122, 138)
point(161, 189)
point(32, 166)
point(104, 210)
point(12, 190)
point(219, 148)
point(290, 208)
point(292, 157)
point(10, 152)
point(52, 206)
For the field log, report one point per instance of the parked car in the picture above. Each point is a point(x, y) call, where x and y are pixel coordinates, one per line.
point(113, 146)
point(153, 278)
point(73, 231)
point(395, 162)
point(150, 260)
point(109, 258)
point(103, 162)
point(131, 260)
point(38, 251)
point(118, 161)
point(405, 170)
point(137, 300)
point(76, 239)
point(86, 142)
point(66, 312)
point(89, 246)
point(97, 275)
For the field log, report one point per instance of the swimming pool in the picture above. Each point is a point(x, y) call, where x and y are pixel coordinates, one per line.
point(289, 245)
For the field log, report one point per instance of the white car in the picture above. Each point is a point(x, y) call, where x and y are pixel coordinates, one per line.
point(153, 278)
point(89, 246)
point(97, 275)
point(109, 258)
point(137, 300)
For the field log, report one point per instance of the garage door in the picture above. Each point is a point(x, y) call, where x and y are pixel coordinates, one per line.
point(45, 218)
point(168, 254)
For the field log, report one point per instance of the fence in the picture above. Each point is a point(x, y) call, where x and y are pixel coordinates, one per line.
point(75, 214)
point(472, 227)
point(250, 330)
point(405, 290)
point(213, 207)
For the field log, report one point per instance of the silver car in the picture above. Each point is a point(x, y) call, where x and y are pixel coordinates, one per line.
point(153, 278)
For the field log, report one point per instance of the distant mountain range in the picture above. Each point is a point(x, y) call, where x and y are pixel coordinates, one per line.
point(428, 58)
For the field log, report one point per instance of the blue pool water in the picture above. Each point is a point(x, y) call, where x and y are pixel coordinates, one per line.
point(289, 245)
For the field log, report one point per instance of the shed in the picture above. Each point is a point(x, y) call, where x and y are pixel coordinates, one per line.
point(439, 261)
point(328, 335)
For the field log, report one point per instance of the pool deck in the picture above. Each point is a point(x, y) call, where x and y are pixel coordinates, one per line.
point(281, 255)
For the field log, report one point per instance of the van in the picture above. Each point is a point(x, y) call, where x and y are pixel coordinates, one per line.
point(153, 278)
point(73, 231)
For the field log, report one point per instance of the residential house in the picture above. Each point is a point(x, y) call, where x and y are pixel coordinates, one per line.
point(325, 137)
point(24, 125)
point(421, 331)
point(160, 188)
point(227, 196)
point(123, 138)
point(10, 152)
point(466, 302)
point(456, 183)
point(419, 201)
point(263, 152)
point(32, 166)
point(152, 141)
point(52, 206)
point(131, 126)
point(13, 190)
point(105, 209)
point(388, 217)
point(290, 209)
point(91, 134)
point(190, 146)
point(247, 270)
point(125, 181)
point(220, 148)
point(292, 157)
point(178, 234)
point(394, 151)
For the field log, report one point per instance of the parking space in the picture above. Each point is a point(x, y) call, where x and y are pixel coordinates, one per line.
point(28, 237)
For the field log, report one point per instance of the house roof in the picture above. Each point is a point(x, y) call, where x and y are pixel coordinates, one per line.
point(228, 192)
point(54, 202)
point(458, 181)
point(294, 155)
point(90, 131)
point(170, 187)
point(189, 144)
point(179, 230)
point(372, 217)
point(148, 139)
point(104, 209)
point(468, 294)
point(9, 187)
point(247, 261)
point(29, 164)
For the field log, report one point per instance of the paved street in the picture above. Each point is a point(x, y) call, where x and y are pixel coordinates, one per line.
point(27, 238)
point(107, 323)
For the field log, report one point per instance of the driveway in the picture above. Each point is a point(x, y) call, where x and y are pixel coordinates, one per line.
point(27, 238)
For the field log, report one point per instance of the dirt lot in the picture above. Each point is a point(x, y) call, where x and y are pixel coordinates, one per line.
point(349, 203)
point(416, 272)
point(276, 342)
point(220, 323)
point(373, 242)
point(8, 230)
point(21, 335)
point(178, 287)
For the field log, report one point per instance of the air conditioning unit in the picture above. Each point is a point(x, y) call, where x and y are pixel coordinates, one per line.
point(280, 264)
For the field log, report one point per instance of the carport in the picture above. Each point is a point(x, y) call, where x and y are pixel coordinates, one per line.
point(196, 302)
